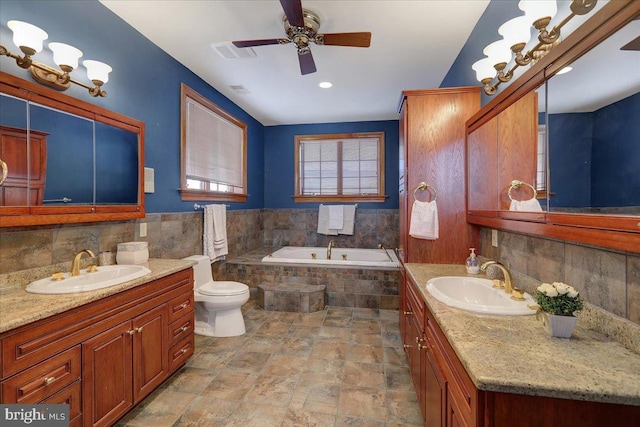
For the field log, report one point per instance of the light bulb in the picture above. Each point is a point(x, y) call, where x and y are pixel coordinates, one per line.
point(97, 70)
point(484, 69)
point(65, 55)
point(498, 51)
point(516, 30)
point(27, 35)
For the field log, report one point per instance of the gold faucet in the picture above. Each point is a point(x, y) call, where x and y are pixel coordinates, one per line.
point(331, 245)
point(508, 286)
point(75, 266)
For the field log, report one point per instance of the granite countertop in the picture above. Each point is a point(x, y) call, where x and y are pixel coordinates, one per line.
point(19, 307)
point(516, 354)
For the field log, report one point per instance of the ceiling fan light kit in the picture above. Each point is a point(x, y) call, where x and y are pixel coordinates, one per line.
point(301, 27)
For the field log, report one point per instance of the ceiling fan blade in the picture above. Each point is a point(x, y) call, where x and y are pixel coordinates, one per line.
point(345, 39)
point(307, 65)
point(632, 45)
point(293, 11)
point(249, 43)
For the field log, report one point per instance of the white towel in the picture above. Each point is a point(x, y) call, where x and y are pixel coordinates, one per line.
point(424, 220)
point(336, 217)
point(323, 221)
point(349, 219)
point(531, 205)
point(214, 236)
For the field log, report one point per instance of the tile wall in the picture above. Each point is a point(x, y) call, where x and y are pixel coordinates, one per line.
point(606, 278)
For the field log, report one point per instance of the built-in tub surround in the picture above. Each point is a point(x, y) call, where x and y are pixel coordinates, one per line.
point(607, 279)
point(515, 354)
point(357, 286)
point(334, 256)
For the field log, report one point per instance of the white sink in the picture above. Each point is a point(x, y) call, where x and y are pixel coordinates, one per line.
point(477, 295)
point(108, 275)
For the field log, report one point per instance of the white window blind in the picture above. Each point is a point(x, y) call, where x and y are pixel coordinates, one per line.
point(334, 166)
point(213, 149)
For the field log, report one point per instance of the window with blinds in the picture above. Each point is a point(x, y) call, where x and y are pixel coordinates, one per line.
point(213, 151)
point(344, 167)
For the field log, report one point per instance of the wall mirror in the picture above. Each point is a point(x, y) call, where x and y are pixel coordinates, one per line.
point(590, 123)
point(67, 160)
point(594, 129)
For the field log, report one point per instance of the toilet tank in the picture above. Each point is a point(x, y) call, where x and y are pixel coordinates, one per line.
point(201, 270)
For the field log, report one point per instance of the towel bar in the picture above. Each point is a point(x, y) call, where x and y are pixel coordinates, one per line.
point(197, 206)
point(424, 186)
point(517, 183)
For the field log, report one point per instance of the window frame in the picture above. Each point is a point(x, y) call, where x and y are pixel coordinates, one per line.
point(379, 197)
point(190, 194)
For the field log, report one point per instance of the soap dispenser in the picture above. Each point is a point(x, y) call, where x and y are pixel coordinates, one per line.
point(473, 267)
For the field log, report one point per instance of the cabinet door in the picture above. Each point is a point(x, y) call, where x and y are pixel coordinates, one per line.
point(106, 374)
point(435, 388)
point(150, 351)
point(454, 413)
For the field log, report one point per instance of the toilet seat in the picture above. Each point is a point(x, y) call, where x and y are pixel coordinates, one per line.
point(223, 288)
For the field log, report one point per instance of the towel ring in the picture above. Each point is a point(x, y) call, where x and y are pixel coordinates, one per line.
point(516, 184)
point(424, 186)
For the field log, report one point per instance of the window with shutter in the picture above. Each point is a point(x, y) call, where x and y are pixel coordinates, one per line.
point(213, 151)
point(342, 167)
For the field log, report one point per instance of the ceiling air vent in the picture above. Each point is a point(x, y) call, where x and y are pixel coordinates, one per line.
point(228, 51)
point(239, 89)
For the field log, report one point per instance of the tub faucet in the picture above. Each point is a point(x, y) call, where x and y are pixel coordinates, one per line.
point(75, 265)
point(331, 245)
point(508, 286)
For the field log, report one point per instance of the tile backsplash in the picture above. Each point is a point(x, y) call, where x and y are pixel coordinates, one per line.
point(177, 235)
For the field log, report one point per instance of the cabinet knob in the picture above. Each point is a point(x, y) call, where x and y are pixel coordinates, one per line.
point(408, 313)
point(406, 346)
point(184, 350)
point(184, 328)
point(139, 329)
point(131, 332)
point(49, 380)
point(184, 305)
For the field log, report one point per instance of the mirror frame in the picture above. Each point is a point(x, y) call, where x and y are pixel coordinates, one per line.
point(14, 216)
point(609, 231)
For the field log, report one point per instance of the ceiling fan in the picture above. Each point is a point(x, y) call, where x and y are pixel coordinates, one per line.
point(301, 27)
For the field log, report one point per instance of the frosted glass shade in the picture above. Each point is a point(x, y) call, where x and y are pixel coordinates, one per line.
point(516, 30)
point(97, 70)
point(484, 69)
point(64, 54)
point(25, 34)
point(498, 51)
point(536, 9)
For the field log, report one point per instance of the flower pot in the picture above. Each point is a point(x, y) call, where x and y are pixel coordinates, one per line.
point(561, 326)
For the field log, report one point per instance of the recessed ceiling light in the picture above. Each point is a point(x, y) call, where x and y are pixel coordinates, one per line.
point(325, 85)
point(565, 70)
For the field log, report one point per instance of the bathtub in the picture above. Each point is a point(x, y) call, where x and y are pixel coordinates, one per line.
point(340, 257)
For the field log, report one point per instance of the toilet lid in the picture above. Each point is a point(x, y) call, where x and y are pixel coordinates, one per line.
point(223, 288)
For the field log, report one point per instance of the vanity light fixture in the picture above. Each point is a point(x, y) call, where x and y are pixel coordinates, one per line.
point(29, 39)
point(516, 33)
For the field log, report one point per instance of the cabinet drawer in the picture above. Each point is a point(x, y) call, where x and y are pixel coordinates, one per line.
point(179, 329)
point(70, 395)
point(178, 354)
point(180, 306)
point(43, 379)
point(416, 304)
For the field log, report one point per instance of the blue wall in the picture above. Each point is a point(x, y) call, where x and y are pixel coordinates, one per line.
point(595, 157)
point(279, 160)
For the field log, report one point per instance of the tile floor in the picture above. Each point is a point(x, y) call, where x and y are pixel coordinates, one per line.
point(336, 367)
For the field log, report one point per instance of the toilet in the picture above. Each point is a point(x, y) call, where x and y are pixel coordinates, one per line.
point(217, 303)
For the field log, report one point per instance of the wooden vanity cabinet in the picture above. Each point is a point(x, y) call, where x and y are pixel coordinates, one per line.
point(103, 357)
